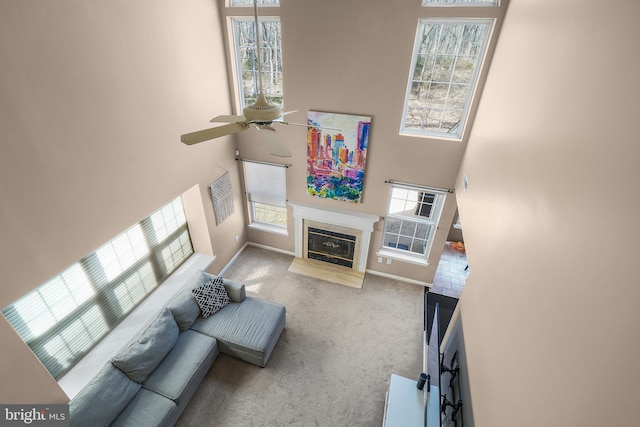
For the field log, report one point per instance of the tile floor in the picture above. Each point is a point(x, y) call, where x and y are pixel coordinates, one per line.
point(451, 275)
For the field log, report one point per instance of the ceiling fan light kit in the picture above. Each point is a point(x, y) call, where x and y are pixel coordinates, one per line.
point(261, 111)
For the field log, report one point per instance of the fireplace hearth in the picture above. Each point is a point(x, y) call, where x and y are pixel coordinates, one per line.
point(342, 242)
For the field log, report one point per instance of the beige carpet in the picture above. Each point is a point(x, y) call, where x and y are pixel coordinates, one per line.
point(332, 364)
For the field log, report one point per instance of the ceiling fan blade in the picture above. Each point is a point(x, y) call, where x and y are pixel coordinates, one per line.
point(228, 119)
point(289, 112)
point(216, 132)
point(274, 142)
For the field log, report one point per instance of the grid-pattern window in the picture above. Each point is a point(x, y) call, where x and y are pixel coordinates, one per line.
point(249, 3)
point(447, 57)
point(411, 221)
point(426, 3)
point(68, 315)
point(246, 62)
point(266, 188)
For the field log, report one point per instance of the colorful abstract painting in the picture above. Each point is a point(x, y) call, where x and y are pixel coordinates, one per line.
point(336, 155)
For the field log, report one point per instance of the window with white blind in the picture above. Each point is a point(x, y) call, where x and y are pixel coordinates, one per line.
point(410, 224)
point(68, 315)
point(266, 187)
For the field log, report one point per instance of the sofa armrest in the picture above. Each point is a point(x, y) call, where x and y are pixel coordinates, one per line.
point(236, 290)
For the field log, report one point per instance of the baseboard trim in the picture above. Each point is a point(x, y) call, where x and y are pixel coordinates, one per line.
point(270, 248)
point(282, 251)
point(232, 260)
point(402, 279)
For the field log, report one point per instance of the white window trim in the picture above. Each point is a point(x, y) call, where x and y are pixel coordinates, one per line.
point(427, 4)
point(269, 228)
point(476, 75)
point(263, 194)
point(228, 4)
point(236, 67)
point(405, 255)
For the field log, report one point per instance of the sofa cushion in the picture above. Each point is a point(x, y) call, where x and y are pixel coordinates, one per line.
point(180, 373)
point(145, 353)
point(211, 296)
point(146, 409)
point(247, 330)
point(100, 401)
point(184, 306)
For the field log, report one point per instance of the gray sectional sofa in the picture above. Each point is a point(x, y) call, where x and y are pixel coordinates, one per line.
point(151, 380)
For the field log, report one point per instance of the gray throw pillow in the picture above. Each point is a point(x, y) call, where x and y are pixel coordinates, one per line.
point(143, 356)
point(185, 309)
point(211, 296)
point(100, 401)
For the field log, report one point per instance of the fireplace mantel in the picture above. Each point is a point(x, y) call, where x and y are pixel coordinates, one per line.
point(356, 220)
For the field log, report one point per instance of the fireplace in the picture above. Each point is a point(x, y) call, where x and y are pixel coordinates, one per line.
point(332, 235)
point(330, 246)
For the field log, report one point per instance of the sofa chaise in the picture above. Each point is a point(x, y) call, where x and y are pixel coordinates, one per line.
point(151, 380)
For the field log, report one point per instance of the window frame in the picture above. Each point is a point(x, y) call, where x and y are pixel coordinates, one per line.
point(238, 14)
point(427, 3)
point(464, 119)
point(269, 190)
point(261, 3)
point(84, 325)
point(431, 223)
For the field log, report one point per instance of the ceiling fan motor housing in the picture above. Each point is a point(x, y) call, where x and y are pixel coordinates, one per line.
point(261, 111)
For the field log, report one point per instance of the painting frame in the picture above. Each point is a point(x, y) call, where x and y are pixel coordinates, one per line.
point(337, 146)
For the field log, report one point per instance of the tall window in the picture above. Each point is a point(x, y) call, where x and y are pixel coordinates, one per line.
point(457, 2)
point(411, 221)
point(247, 3)
point(266, 188)
point(445, 68)
point(66, 316)
point(246, 62)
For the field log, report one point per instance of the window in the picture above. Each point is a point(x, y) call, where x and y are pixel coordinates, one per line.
point(249, 3)
point(411, 221)
point(426, 3)
point(246, 65)
point(445, 68)
point(266, 188)
point(66, 316)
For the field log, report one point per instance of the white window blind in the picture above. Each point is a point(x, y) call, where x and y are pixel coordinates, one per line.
point(266, 183)
point(68, 315)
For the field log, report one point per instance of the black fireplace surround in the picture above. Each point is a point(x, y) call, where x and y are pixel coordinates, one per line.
point(330, 246)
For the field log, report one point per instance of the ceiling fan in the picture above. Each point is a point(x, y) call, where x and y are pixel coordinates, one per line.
point(261, 114)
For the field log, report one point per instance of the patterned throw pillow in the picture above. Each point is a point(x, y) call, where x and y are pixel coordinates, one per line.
point(211, 296)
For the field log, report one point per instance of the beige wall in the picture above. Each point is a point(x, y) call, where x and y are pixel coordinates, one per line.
point(354, 58)
point(550, 312)
point(88, 89)
point(93, 99)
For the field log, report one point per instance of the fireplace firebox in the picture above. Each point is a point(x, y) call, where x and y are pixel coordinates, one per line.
point(330, 246)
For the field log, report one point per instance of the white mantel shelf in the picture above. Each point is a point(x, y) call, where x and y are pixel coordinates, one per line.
point(342, 218)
